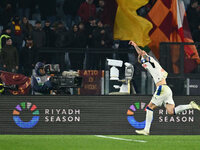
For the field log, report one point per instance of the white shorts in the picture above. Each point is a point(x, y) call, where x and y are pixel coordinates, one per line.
point(162, 95)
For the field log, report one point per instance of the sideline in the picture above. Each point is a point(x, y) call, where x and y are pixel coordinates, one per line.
point(122, 139)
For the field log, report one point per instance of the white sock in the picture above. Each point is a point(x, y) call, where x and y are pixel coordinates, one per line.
point(149, 117)
point(181, 108)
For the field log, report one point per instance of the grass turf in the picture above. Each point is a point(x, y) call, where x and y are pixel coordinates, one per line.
point(91, 142)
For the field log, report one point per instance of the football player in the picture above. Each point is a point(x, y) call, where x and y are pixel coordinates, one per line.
point(163, 93)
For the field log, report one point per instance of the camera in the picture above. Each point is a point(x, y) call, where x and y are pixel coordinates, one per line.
point(66, 82)
point(62, 81)
point(114, 75)
point(114, 72)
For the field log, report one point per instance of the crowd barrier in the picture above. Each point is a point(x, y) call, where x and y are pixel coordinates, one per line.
point(91, 115)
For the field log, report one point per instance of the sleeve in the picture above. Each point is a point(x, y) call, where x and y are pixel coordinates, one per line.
point(42, 89)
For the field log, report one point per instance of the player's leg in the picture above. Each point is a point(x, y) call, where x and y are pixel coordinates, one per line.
point(169, 102)
point(170, 105)
point(156, 101)
point(172, 110)
point(149, 117)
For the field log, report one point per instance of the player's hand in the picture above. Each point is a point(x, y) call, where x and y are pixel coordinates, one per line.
point(132, 43)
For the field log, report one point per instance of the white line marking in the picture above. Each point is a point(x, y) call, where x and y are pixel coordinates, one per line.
point(122, 139)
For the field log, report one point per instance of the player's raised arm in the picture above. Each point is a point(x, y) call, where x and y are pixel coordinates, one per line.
point(139, 51)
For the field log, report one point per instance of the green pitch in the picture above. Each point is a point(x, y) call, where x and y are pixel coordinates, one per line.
point(92, 142)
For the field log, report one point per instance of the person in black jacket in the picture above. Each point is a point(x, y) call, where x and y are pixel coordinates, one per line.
point(28, 56)
point(62, 40)
point(76, 59)
point(10, 57)
point(49, 34)
point(38, 35)
point(27, 28)
point(102, 37)
point(61, 36)
point(82, 34)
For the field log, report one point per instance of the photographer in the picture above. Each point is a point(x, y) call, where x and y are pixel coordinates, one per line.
point(40, 81)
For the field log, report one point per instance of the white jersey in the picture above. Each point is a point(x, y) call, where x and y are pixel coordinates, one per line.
point(154, 68)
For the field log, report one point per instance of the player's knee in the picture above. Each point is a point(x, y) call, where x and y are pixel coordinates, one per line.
point(152, 106)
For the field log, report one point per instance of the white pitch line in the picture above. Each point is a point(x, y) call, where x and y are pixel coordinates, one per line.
point(122, 139)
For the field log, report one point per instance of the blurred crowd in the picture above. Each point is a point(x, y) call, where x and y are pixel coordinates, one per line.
point(33, 24)
point(27, 25)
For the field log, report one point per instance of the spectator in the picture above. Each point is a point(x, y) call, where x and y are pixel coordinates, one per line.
point(76, 59)
point(49, 41)
point(7, 30)
point(61, 36)
point(6, 33)
point(38, 35)
point(193, 15)
point(27, 28)
point(82, 43)
point(49, 34)
point(74, 37)
point(100, 9)
point(70, 8)
point(28, 56)
point(82, 34)
point(62, 40)
point(106, 11)
point(87, 10)
point(90, 26)
point(10, 57)
point(2, 44)
point(17, 33)
point(102, 36)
